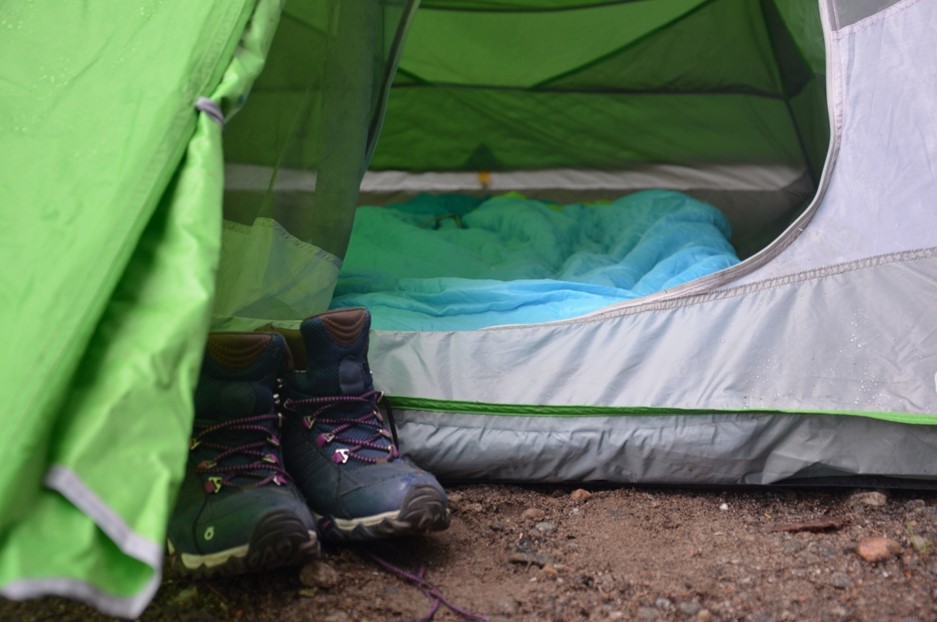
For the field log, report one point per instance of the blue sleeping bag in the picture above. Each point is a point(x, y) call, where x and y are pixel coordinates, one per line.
point(457, 263)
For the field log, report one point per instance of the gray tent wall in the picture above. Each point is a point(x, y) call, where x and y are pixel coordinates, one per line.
point(814, 358)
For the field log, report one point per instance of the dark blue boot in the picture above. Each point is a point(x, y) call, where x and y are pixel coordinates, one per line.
point(238, 510)
point(339, 447)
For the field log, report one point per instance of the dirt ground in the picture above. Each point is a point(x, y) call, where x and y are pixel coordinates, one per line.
point(551, 553)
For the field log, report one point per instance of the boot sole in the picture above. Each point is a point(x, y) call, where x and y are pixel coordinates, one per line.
point(423, 510)
point(280, 539)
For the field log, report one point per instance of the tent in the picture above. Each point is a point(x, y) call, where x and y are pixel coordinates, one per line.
point(133, 228)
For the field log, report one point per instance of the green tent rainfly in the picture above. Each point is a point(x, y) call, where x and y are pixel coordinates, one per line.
point(178, 167)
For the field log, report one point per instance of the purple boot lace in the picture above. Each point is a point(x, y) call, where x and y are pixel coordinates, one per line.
point(371, 431)
point(259, 459)
point(418, 578)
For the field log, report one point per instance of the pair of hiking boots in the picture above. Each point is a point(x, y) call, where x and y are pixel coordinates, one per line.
point(286, 451)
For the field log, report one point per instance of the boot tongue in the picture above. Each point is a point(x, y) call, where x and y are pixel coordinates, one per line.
point(337, 352)
point(354, 378)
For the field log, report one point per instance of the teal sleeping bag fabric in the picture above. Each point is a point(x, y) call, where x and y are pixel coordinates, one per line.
point(449, 262)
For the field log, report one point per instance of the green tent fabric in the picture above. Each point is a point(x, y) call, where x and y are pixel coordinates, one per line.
point(112, 138)
point(108, 275)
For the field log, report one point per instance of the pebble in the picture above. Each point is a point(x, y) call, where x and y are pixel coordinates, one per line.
point(871, 499)
point(724, 507)
point(840, 580)
point(877, 548)
point(579, 495)
point(689, 608)
point(545, 527)
point(663, 603)
point(336, 616)
point(319, 574)
point(508, 606)
point(549, 572)
point(705, 615)
point(533, 514)
point(646, 613)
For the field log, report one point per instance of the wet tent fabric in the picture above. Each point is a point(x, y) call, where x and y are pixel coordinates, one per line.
point(108, 272)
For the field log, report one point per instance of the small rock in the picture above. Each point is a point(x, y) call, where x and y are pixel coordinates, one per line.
point(336, 616)
point(533, 514)
point(580, 495)
point(840, 580)
point(508, 606)
point(663, 603)
point(689, 608)
point(319, 574)
point(455, 498)
point(705, 615)
point(877, 548)
point(615, 615)
point(472, 508)
point(549, 572)
point(545, 527)
point(724, 506)
point(871, 499)
point(646, 613)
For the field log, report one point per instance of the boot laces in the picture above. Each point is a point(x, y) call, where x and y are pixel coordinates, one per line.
point(258, 460)
point(356, 437)
point(417, 576)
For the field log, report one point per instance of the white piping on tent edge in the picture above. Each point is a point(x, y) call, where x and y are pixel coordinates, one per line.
point(674, 177)
point(69, 485)
point(66, 482)
point(129, 608)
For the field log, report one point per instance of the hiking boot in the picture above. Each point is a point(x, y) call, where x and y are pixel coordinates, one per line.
point(338, 446)
point(238, 510)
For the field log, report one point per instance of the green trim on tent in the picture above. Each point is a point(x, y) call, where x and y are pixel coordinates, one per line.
point(460, 407)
